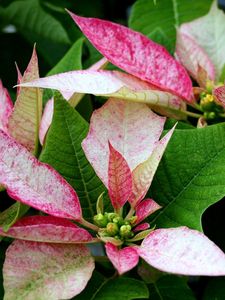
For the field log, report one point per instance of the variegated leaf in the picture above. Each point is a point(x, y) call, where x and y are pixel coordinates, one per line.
point(34, 183)
point(137, 55)
point(45, 271)
point(182, 251)
point(26, 116)
point(133, 129)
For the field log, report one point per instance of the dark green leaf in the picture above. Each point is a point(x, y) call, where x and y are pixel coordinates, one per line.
point(121, 289)
point(170, 288)
point(222, 75)
point(165, 15)
point(215, 290)
point(28, 15)
point(9, 216)
point(63, 151)
point(190, 177)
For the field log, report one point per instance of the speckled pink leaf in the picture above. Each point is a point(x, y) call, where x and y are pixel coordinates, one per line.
point(145, 208)
point(46, 120)
point(48, 229)
point(182, 251)
point(119, 179)
point(108, 84)
point(208, 33)
point(143, 174)
point(123, 260)
point(132, 128)
point(137, 55)
point(34, 183)
point(6, 107)
point(141, 227)
point(191, 55)
point(46, 271)
point(220, 94)
point(25, 119)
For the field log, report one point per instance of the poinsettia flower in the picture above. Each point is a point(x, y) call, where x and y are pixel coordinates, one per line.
point(52, 241)
point(200, 47)
point(154, 76)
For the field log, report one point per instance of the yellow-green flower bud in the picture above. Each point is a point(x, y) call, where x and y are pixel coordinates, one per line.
point(100, 220)
point(112, 229)
point(111, 216)
point(132, 220)
point(125, 231)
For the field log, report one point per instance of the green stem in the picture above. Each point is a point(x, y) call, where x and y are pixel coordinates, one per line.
point(89, 225)
point(191, 114)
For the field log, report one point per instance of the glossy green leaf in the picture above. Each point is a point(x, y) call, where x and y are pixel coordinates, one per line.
point(145, 16)
point(170, 288)
point(12, 214)
point(64, 153)
point(29, 16)
point(121, 288)
point(190, 177)
point(71, 60)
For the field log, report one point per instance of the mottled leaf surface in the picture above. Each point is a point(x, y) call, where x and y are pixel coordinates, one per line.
point(133, 130)
point(208, 32)
point(137, 55)
point(34, 183)
point(48, 229)
point(46, 271)
point(182, 251)
point(6, 107)
point(122, 259)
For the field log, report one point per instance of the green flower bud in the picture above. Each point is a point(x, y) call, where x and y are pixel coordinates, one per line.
point(125, 231)
point(118, 220)
point(100, 220)
point(112, 229)
point(209, 115)
point(209, 86)
point(207, 103)
point(111, 216)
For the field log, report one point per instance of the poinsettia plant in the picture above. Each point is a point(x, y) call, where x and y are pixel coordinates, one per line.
point(84, 194)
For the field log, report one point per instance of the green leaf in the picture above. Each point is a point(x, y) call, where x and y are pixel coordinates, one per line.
point(215, 290)
point(71, 60)
point(190, 176)
point(28, 15)
point(64, 153)
point(145, 16)
point(92, 287)
point(12, 214)
point(121, 288)
point(171, 288)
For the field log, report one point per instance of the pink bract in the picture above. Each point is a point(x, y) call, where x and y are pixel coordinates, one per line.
point(137, 55)
point(123, 260)
point(34, 183)
point(132, 128)
point(182, 251)
point(219, 92)
point(48, 229)
point(46, 271)
point(120, 179)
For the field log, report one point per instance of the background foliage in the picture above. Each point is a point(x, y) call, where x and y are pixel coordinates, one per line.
point(183, 183)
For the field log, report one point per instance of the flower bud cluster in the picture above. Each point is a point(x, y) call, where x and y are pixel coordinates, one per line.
point(113, 225)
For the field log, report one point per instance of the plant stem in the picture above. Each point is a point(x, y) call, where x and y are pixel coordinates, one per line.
point(130, 213)
point(89, 225)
